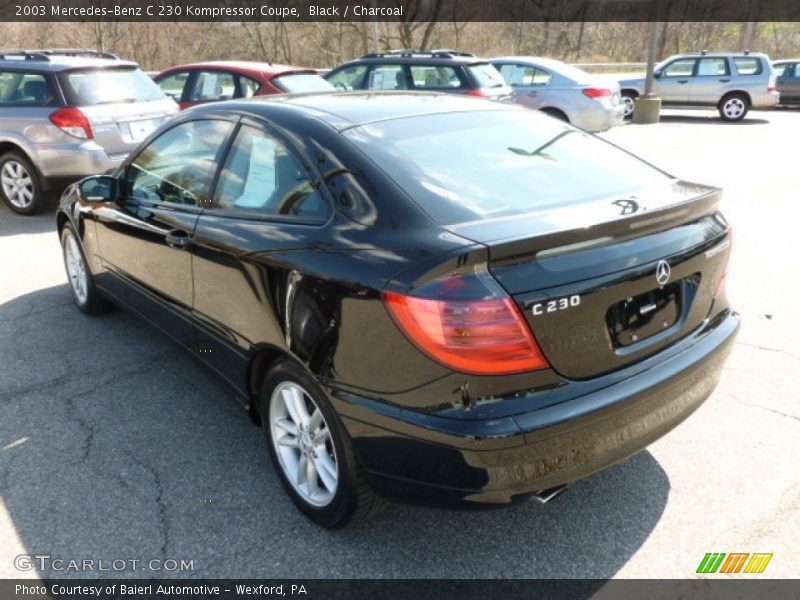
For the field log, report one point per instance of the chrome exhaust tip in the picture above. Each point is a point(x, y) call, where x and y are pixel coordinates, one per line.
point(544, 496)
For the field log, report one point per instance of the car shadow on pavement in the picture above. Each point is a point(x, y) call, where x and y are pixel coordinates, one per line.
point(13, 224)
point(115, 444)
point(711, 119)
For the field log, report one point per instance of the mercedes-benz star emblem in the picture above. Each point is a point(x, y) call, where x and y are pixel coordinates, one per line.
point(663, 272)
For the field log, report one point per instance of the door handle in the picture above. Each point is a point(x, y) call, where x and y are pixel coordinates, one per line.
point(724, 80)
point(683, 81)
point(533, 93)
point(178, 239)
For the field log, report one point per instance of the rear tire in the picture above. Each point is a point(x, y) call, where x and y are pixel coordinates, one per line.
point(20, 185)
point(628, 98)
point(79, 276)
point(733, 107)
point(311, 451)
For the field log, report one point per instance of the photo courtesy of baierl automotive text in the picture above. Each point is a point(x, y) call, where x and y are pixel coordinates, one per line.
point(399, 299)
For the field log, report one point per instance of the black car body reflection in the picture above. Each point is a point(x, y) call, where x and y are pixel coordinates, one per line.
point(481, 313)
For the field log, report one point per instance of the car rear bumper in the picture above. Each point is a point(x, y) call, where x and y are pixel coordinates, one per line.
point(600, 118)
point(414, 457)
point(765, 99)
point(74, 161)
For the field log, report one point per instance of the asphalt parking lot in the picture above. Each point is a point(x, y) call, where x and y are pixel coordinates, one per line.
point(115, 444)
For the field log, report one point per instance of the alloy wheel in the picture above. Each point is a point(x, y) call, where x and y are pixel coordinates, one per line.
point(17, 184)
point(733, 108)
point(627, 103)
point(302, 441)
point(76, 269)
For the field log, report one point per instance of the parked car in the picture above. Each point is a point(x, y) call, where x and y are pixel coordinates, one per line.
point(226, 80)
point(439, 70)
point(787, 73)
point(66, 114)
point(733, 83)
point(563, 91)
point(411, 314)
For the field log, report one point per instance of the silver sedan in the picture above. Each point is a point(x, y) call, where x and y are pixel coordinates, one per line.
point(563, 91)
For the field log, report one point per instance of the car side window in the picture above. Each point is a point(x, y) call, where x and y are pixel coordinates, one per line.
point(796, 68)
point(262, 176)
point(712, 67)
point(746, 65)
point(210, 86)
point(387, 77)
point(680, 68)
point(524, 75)
point(172, 85)
point(349, 78)
point(25, 89)
point(433, 76)
point(248, 87)
point(179, 165)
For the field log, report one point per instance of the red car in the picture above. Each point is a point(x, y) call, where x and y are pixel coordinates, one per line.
point(224, 80)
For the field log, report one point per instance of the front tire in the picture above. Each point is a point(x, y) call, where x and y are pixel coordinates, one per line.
point(20, 186)
point(733, 107)
point(79, 276)
point(311, 451)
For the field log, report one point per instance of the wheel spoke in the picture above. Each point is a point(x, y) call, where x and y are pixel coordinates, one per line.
point(289, 441)
point(291, 408)
point(322, 436)
point(288, 426)
point(311, 478)
point(327, 470)
point(300, 406)
point(302, 469)
point(315, 420)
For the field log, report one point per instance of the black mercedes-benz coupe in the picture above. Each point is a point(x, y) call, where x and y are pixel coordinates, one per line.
point(420, 297)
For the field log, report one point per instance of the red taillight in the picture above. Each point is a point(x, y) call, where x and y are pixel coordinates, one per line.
point(480, 92)
point(72, 121)
point(593, 92)
point(469, 324)
point(772, 88)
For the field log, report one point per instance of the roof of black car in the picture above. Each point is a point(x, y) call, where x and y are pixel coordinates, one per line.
point(343, 110)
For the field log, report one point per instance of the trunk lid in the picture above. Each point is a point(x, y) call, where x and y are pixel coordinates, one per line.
point(119, 127)
point(610, 282)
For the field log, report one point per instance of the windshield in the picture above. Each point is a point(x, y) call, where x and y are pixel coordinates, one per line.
point(110, 86)
point(487, 76)
point(302, 82)
point(476, 165)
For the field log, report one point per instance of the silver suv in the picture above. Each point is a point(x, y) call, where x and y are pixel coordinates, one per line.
point(733, 83)
point(66, 114)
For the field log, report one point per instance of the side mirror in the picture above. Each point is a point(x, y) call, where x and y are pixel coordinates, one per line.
point(100, 188)
point(657, 75)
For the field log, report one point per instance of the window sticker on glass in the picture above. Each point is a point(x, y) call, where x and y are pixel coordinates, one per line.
point(261, 174)
point(209, 85)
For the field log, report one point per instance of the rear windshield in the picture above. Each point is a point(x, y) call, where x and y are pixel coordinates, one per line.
point(91, 87)
point(477, 165)
point(486, 75)
point(302, 82)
